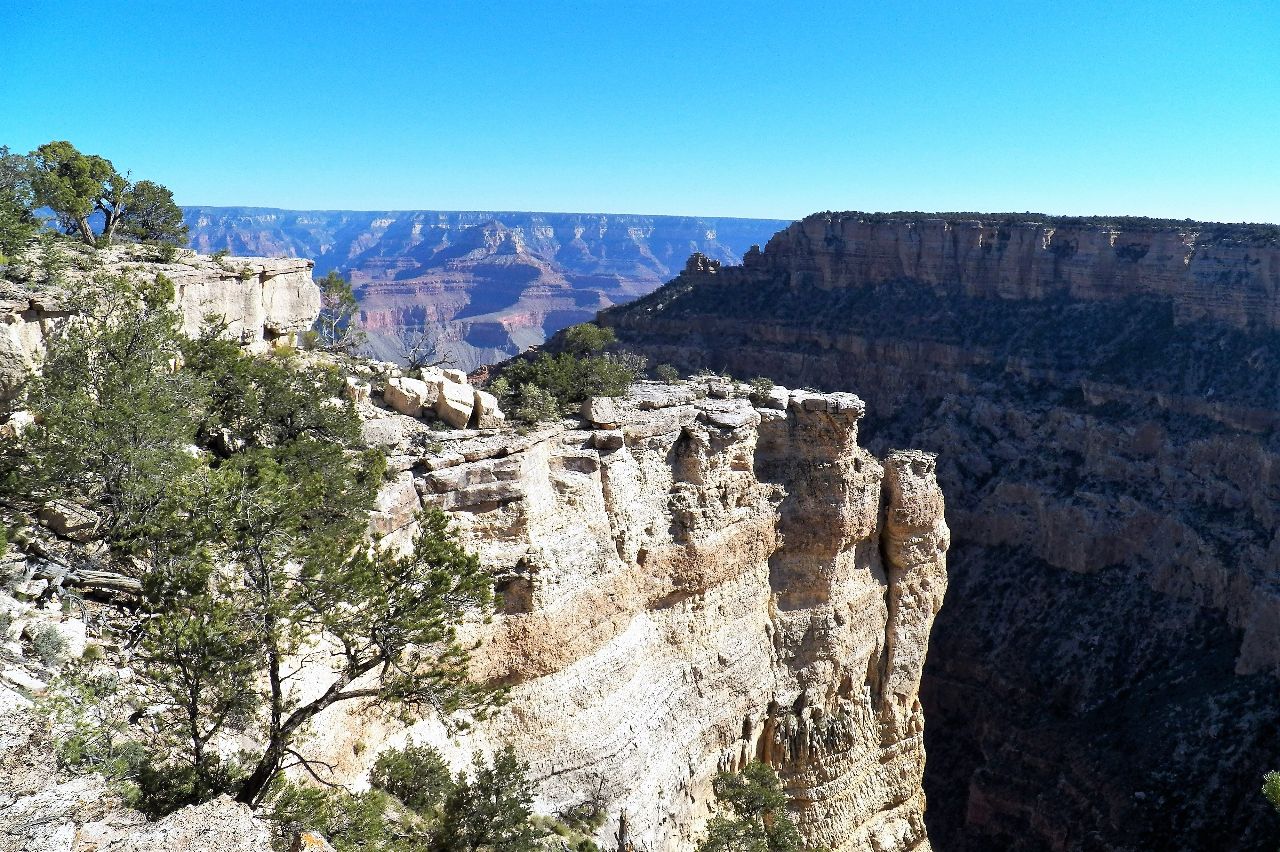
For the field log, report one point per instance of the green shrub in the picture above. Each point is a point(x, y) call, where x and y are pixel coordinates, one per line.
point(760, 821)
point(493, 809)
point(416, 775)
point(351, 822)
point(666, 373)
point(550, 386)
point(49, 644)
point(761, 387)
point(1271, 789)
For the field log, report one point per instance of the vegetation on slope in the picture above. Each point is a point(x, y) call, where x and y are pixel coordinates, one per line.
point(236, 489)
point(759, 820)
point(547, 387)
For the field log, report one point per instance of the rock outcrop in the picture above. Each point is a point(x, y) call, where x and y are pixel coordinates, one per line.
point(698, 582)
point(264, 301)
point(1104, 398)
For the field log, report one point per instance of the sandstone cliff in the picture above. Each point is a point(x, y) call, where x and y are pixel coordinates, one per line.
point(700, 581)
point(263, 300)
point(696, 583)
point(484, 285)
point(1104, 401)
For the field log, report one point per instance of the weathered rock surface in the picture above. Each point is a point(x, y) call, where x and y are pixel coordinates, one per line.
point(1105, 402)
point(264, 301)
point(706, 584)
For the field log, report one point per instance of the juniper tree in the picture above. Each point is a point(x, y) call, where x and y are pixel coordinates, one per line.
point(237, 489)
point(760, 822)
point(335, 326)
point(77, 186)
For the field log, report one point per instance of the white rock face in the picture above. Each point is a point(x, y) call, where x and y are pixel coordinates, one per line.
point(264, 301)
point(705, 584)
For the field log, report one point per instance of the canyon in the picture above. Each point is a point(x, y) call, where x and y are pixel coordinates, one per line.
point(1102, 396)
point(692, 576)
point(478, 287)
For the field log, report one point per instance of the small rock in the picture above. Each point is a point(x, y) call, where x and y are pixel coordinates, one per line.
point(69, 520)
point(600, 411)
point(310, 841)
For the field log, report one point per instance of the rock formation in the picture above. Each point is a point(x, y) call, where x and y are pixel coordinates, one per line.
point(697, 582)
point(264, 301)
point(1103, 398)
point(481, 285)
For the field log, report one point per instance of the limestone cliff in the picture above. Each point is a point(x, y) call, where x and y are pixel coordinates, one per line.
point(263, 300)
point(695, 583)
point(1104, 397)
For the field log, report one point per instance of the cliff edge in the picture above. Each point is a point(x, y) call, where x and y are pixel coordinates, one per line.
point(1105, 396)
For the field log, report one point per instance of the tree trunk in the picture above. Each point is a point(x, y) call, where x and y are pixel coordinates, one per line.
point(255, 786)
point(86, 233)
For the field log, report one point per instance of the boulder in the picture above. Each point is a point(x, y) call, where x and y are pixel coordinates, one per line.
point(411, 396)
point(356, 390)
point(17, 424)
point(222, 825)
point(601, 411)
point(487, 413)
point(383, 432)
point(455, 376)
point(455, 403)
point(69, 520)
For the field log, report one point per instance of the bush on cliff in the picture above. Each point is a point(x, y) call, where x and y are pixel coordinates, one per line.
point(760, 822)
point(237, 490)
point(415, 806)
point(547, 386)
point(1271, 789)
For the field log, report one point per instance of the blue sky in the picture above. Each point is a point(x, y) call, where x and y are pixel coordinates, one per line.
point(719, 108)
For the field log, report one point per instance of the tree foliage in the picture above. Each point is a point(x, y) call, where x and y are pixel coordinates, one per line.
point(1271, 789)
point(76, 186)
point(491, 810)
point(549, 386)
point(335, 326)
point(239, 491)
point(17, 223)
point(152, 216)
point(760, 822)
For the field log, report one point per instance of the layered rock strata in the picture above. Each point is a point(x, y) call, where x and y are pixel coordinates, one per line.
point(263, 301)
point(478, 286)
point(1104, 398)
point(690, 582)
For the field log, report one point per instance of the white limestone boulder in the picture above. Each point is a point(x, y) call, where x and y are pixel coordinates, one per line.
point(455, 403)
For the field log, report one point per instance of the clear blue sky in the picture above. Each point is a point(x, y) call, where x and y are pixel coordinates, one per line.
point(721, 108)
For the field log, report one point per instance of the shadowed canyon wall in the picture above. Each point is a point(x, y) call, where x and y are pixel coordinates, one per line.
point(1103, 398)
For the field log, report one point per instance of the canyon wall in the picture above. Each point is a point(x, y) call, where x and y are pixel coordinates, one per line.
point(263, 301)
point(690, 582)
point(480, 286)
point(1103, 400)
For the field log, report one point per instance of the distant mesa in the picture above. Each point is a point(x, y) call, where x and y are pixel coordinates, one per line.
point(485, 284)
